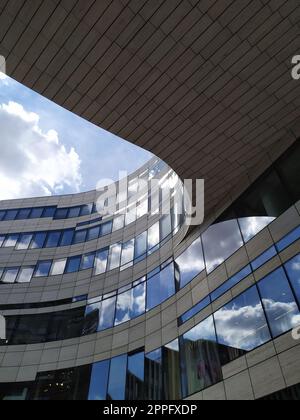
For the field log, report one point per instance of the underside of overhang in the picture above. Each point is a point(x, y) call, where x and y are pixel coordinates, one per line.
point(204, 84)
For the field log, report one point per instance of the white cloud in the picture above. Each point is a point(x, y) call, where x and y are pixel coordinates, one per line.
point(33, 163)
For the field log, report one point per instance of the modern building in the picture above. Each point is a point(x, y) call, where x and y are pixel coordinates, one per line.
point(141, 306)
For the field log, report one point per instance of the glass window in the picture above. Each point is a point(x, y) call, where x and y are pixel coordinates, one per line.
point(279, 303)
point(171, 371)
point(91, 318)
point(93, 233)
point(87, 261)
point(101, 261)
point(200, 361)
point(117, 378)
point(142, 208)
point(153, 236)
point(24, 241)
point(135, 377)
point(38, 240)
point(138, 300)
point(127, 254)
point(160, 287)
point(74, 212)
point(130, 216)
point(251, 226)
point(61, 214)
point(140, 246)
point(23, 214)
point(293, 270)
point(114, 256)
point(10, 215)
point(220, 241)
point(107, 315)
point(53, 239)
point(99, 381)
point(43, 269)
point(190, 263)
point(123, 309)
point(195, 310)
point(67, 237)
point(86, 210)
point(241, 325)
point(11, 241)
point(1, 272)
point(106, 228)
point(165, 227)
point(10, 275)
point(2, 214)
point(25, 275)
point(49, 212)
point(231, 283)
point(288, 239)
point(80, 236)
point(263, 258)
point(36, 213)
point(118, 223)
point(154, 376)
point(73, 264)
point(2, 239)
point(58, 267)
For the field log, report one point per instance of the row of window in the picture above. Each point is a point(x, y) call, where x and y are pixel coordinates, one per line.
point(85, 209)
point(131, 302)
point(210, 250)
point(195, 360)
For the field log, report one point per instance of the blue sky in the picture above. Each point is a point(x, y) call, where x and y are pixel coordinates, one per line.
point(48, 150)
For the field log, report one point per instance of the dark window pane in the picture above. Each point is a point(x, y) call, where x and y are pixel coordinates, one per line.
point(106, 228)
point(93, 233)
point(79, 236)
point(49, 212)
point(160, 287)
point(2, 239)
point(293, 270)
point(201, 366)
point(53, 239)
point(117, 378)
point(92, 318)
point(10, 215)
point(220, 242)
point(43, 269)
point(61, 214)
point(140, 245)
point(241, 325)
point(263, 258)
point(171, 371)
point(107, 316)
point(73, 264)
point(135, 377)
point(67, 237)
point(154, 376)
point(36, 213)
point(38, 240)
point(86, 210)
point(74, 212)
point(190, 263)
point(99, 381)
point(279, 303)
point(2, 214)
point(165, 227)
point(23, 214)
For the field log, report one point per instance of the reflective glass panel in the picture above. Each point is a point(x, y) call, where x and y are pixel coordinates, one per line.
point(118, 223)
point(99, 381)
point(190, 263)
point(153, 236)
point(293, 270)
point(117, 378)
point(36, 213)
point(73, 264)
point(10, 275)
point(101, 261)
point(220, 242)
point(127, 253)
point(263, 258)
point(171, 371)
point(135, 377)
point(106, 228)
point(140, 245)
point(61, 214)
point(87, 261)
point(38, 240)
point(25, 275)
point(58, 267)
point(86, 210)
point(2, 239)
point(231, 283)
point(138, 300)
point(279, 303)
point(241, 324)
point(197, 308)
point(23, 214)
point(24, 241)
point(124, 304)
point(10, 215)
point(74, 212)
point(67, 237)
point(160, 287)
point(288, 239)
point(92, 318)
point(201, 366)
point(165, 227)
point(251, 226)
point(114, 256)
point(53, 239)
point(154, 376)
point(107, 316)
point(79, 236)
point(2, 214)
point(49, 212)
point(11, 241)
point(43, 269)
point(93, 233)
